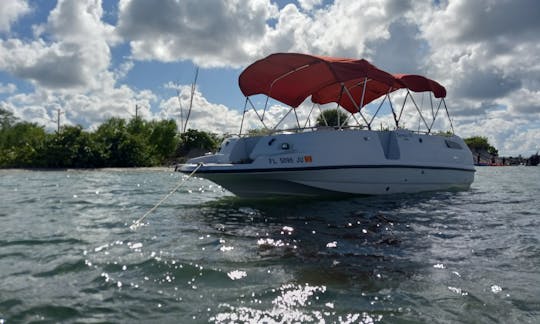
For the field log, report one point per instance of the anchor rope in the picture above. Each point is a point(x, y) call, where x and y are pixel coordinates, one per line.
point(137, 223)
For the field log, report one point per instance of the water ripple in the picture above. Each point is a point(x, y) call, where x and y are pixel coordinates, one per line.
point(68, 254)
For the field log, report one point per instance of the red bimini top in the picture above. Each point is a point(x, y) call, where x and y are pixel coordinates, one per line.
point(290, 78)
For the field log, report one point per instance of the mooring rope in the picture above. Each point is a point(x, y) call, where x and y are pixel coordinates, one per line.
point(137, 223)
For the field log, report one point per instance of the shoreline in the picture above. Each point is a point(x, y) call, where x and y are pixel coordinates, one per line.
point(158, 168)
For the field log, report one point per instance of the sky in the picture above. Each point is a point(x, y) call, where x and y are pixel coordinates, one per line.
point(93, 60)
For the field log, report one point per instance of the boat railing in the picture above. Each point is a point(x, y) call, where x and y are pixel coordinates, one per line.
point(296, 130)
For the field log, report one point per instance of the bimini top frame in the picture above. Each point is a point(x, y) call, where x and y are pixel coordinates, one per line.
point(290, 78)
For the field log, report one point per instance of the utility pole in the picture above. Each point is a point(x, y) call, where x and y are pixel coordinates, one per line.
point(137, 111)
point(59, 112)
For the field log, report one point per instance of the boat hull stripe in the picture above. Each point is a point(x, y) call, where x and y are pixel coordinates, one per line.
point(266, 170)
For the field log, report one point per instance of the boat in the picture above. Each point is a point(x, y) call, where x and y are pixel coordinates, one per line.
point(319, 160)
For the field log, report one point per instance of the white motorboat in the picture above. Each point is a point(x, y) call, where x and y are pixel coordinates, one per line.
point(336, 159)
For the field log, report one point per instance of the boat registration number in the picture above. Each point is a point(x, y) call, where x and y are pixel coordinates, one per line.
point(291, 160)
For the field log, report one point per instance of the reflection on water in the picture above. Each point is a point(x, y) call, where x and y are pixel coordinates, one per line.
point(67, 252)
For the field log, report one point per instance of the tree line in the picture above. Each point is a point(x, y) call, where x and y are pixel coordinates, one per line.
point(115, 143)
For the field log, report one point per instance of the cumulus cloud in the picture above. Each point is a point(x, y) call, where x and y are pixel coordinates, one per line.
point(211, 33)
point(232, 33)
point(77, 57)
point(482, 49)
point(309, 4)
point(204, 115)
point(494, 20)
point(69, 64)
point(8, 88)
point(486, 84)
point(87, 109)
point(404, 51)
point(342, 28)
point(10, 11)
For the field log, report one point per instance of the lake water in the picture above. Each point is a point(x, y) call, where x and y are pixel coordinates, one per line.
point(67, 253)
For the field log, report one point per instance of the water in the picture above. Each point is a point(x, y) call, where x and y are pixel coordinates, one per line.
point(67, 253)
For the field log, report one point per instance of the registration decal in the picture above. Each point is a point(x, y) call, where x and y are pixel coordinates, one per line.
point(295, 159)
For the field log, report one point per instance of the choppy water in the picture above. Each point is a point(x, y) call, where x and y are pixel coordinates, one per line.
point(67, 253)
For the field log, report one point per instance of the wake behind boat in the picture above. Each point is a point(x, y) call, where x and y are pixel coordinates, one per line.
point(336, 159)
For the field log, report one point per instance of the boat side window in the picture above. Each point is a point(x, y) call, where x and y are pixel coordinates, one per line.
point(453, 145)
point(270, 142)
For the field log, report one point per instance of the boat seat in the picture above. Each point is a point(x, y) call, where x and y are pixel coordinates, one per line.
point(242, 149)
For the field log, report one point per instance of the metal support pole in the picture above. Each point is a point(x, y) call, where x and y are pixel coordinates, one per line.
point(358, 108)
point(297, 121)
point(282, 119)
point(419, 111)
point(435, 116)
point(448, 114)
point(322, 115)
point(431, 102)
point(363, 93)
point(256, 112)
point(243, 115)
point(337, 105)
point(265, 106)
point(403, 106)
point(309, 116)
point(377, 111)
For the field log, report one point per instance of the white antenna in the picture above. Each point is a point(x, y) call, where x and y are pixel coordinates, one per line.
point(191, 99)
point(180, 105)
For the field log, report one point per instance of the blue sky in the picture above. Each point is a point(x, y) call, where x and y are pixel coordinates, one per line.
point(96, 59)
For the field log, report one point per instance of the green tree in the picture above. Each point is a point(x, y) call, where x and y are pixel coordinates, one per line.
point(479, 143)
point(195, 141)
point(72, 147)
point(330, 118)
point(259, 132)
point(164, 139)
point(119, 147)
point(20, 144)
point(115, 143)
point(6, 118)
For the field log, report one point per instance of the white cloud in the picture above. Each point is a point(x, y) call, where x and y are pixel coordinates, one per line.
point(309, 4)
point(211, 33)
point(482, 49)
point(27, 109)
point(11, 11)
point(89, 109)
point(341, 29)
point(69, 64)
point(523, 101)
point(124, 69)
point(79, 22)
point(232, 33)
point(204, 115)
point(78, 56)
point(7, 88)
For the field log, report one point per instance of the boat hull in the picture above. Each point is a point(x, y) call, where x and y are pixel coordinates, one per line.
point(359, 180)
point(359, 162)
